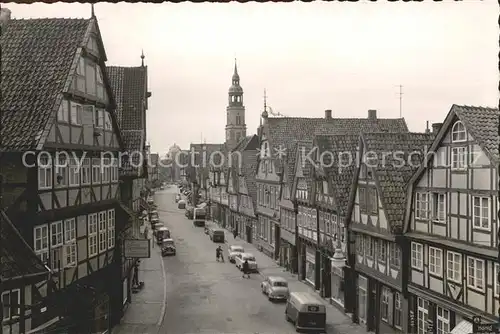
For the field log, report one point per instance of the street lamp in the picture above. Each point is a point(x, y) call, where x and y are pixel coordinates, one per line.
point(338, 260)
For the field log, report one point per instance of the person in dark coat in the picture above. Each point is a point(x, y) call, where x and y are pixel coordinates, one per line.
point(235, 233)
point(246, 269)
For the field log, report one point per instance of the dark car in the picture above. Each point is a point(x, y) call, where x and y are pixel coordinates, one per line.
point(189, 212)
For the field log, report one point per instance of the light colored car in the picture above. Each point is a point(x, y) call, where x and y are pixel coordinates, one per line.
point(233, 251)
point(275, 288)
point(240, 259)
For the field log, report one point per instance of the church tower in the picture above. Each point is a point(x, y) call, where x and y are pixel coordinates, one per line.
point(236, 128)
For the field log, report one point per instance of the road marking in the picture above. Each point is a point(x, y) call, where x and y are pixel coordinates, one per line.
point(164, 305)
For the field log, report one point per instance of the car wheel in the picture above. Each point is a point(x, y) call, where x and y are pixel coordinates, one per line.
point(270, 299)
point(287, 317)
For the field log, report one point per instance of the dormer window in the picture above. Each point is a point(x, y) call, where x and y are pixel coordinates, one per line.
point(458, 132)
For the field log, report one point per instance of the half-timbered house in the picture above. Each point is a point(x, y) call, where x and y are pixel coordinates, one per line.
point(21, 270)
point(59, 124)
point(336, 164)
point(241, 186)
point(130, 90)
point(387, 162)
point(451, 225)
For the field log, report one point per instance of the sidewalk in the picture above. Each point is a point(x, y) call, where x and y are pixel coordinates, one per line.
point(337, 322)
point(145, 313)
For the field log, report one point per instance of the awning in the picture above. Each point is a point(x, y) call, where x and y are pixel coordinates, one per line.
point(463, 327)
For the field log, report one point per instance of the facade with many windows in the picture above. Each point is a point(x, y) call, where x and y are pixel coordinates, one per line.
point(377, 225)
point(452, 225)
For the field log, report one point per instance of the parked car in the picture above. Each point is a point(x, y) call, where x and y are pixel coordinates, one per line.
point(177, 198)
point(189, 212)
point(234, 250)
point(275, 288)
point(217, 235)
point(168, 247)
point(181, 204)
point(199, 216)
point(240, 259)
point(161, 234)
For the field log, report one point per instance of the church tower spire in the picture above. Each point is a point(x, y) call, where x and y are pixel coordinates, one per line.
point(236, 128)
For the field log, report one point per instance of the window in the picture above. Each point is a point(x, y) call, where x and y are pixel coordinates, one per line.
point(69, 242)
point(85, 169)
point(359, 244)
point(422, 315)
point(454, 267)
point(61, 170)
point(96, 171)
point(111, 228)
point(458, 132)
point(458, 158)
point(107, 124)
point(362, 199)
point(422, 205)
point(56, 234)
point(41, 242)
point(91, 79)
point(435, 261)
point(99, 118)
point(497, 285)
point(475, 277)
point(11, 301)
point(45, 173)
point(382, 251)
point(438, 207)
point(398, 310)
point(105, 170)
point(114, 170)
point(481, 213)
point(386, 305)
point(92, 233)
point(76, 113)
point(372, 200)
point(74, 172)
point(102, 231)
point(363, 298)
point(417, 251)
point(368, 246)
point(395, 255)
point(100, 84)
point(442, 321)
point(63, 112)
point(325, 187)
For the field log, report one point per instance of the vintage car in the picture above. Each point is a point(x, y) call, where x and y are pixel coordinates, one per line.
point(161, 234)
point(234, 250)
point(181, 204)
point(242, 257)
point(275, 288)
point(168, 247)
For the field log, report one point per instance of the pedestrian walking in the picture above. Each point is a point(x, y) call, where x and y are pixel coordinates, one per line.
point(235, 233)
point(246, 269)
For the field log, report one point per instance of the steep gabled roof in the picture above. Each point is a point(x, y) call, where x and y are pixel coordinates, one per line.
point(38, 57)
point(482, 123)
point(283, 130)
point(17, 258)
point(129, 85)
point(339, 173)
point(392, 175)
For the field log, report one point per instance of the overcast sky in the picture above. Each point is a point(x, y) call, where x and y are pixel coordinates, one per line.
point(348, 57)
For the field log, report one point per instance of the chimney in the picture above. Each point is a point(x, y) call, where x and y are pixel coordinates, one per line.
point(436, 127)
point(328, 114)
point(427, 130)
point(372, 114)
point(4, 14)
